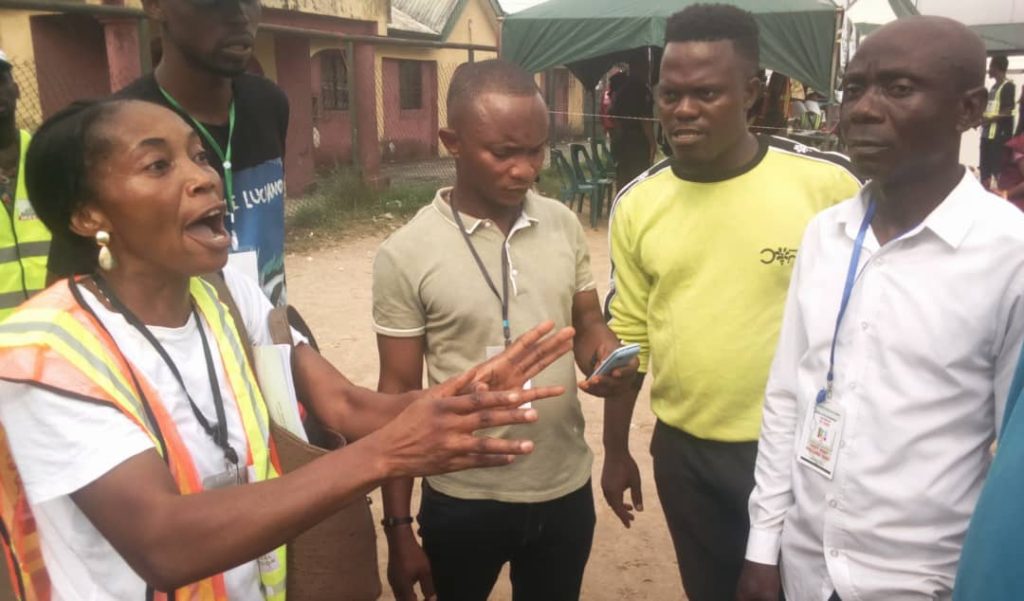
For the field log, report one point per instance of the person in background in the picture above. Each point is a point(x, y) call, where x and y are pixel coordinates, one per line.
point(902, 329)
point(615, 83)
point(633, 143)
point(756, 112)
point(997, 122)
point(135, 455)
point(776, 105)
point(242, 120)
point(1010, 179)
point(499, 257)
point(702, 248)
point(24, 239)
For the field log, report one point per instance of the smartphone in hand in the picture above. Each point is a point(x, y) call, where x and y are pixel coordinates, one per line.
point(618, 358)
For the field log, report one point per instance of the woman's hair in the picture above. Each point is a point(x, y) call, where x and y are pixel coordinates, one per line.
point(58, 163)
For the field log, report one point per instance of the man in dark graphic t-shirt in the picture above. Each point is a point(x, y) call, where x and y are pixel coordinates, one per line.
point(201, 76)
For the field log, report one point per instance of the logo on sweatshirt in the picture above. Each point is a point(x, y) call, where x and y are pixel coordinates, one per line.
point(780, 256)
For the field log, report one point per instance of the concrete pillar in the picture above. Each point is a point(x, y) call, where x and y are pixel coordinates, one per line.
point(367, 148)
point(293, 76)
point(124, 60)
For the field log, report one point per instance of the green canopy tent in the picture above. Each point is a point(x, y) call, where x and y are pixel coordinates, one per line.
point(1000, 23)
point(590, 36)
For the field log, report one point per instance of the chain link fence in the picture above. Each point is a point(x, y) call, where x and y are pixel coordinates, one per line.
point(412, 106)
point(30, 108)
point(47, 88)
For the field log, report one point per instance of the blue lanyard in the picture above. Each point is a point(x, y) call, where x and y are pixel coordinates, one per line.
point(851, 279)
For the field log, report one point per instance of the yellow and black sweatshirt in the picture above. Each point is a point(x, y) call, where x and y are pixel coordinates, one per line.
point(701, 268)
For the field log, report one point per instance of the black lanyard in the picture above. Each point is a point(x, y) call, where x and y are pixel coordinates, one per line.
point(502, 298)
point(218, 432)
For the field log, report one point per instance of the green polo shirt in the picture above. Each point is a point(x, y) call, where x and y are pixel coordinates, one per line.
point(426, 283)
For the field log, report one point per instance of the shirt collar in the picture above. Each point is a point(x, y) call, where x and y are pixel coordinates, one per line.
point(950, 221)
point(442, 206)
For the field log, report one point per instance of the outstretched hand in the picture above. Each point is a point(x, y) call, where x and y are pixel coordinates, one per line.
point(526, 357)
point(436, 433)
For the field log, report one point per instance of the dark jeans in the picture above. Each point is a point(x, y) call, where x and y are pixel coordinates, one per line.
point(704, 486)
point(468, 542)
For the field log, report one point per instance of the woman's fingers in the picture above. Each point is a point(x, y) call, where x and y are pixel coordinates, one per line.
point(482, 400)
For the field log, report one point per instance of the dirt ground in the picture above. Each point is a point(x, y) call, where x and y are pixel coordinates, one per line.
point(332, 288)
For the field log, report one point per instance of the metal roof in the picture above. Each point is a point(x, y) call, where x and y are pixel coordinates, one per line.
point(400, 21)
point(430, 14)
point(430, 17)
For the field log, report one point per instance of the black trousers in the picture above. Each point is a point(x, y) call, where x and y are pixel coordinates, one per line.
point(992, 158)
point(703, 486)
point(468, 542)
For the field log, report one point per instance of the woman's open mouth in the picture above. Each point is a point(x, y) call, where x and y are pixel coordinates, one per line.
point(208, 229)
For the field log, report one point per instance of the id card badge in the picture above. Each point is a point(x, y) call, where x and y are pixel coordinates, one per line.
point(268, 563)
point(270, 570)
point(494, 351)
point(820, 449)
point(232, 476)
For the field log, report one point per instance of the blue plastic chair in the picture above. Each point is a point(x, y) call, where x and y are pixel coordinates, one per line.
point(571, 188)
point(588, 173)
point(603, 157)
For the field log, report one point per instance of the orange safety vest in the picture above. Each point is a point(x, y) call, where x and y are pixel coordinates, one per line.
point(54, 340)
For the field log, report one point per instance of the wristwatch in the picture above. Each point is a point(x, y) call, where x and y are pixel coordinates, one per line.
point(391, 522)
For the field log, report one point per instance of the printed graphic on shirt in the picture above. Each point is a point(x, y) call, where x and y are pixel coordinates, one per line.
point(778, 256)
point(259, 223)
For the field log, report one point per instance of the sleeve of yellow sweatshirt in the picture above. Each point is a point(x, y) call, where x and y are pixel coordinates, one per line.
point(627, 301)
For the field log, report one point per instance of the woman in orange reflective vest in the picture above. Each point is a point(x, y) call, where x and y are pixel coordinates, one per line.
point(135, 459)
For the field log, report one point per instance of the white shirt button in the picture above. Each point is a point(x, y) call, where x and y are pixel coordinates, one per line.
point(487, 224)
point(834, 552)
point(880, 261)
point(833, 503)
point(864, 326)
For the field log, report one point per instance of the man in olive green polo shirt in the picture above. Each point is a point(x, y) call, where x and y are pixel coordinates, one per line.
point(484, 261)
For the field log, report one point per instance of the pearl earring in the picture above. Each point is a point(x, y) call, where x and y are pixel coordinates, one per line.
point(106, 258)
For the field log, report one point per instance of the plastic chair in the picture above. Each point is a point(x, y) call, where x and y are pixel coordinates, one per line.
point(568, 186)
point(603, 157)
point(587, 172)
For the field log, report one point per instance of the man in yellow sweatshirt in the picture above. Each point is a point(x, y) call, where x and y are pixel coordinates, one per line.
point(702, 247)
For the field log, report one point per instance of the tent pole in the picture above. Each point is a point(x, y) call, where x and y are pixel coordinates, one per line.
point(593, 113)
point(836, 45)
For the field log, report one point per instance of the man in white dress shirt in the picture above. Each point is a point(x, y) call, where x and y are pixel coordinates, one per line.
point(878, 418)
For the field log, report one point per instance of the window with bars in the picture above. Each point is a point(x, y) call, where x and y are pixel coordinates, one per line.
point(410, 85)
point(333, 81)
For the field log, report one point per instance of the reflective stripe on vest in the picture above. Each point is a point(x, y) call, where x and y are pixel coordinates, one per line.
point(54, 342)
point(24, 245)
point(992, 111)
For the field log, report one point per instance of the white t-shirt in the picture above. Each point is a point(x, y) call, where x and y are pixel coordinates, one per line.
point(60, 445)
